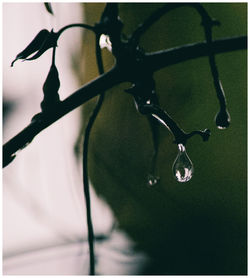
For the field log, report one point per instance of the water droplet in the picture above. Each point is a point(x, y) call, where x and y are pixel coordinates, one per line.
point(183, 168)
point(222, 119)
point(221, 127)
point(105, 42)
point(152, 180)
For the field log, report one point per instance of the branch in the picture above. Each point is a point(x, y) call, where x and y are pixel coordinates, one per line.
point(154, 61)
point(91, 235)
point(207, 22)
point(41, 121)
point(163, 58)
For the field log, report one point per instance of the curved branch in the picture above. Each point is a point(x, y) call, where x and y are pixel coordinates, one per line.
point(43, 120)
point(160, 59)
point(154, 61)
point(162, 116)
point(91, 235)
point(155, 16)
point(81, 25)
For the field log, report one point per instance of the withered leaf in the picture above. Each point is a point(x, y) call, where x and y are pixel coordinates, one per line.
point(48, 43)
point(42, 42)
point(33, 46)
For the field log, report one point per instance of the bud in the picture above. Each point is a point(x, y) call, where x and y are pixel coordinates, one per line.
point(33, 46)
point(50, 89)
point(42, 42)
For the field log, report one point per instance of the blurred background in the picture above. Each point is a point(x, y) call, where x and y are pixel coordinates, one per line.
point(199, 227)
point(44, 222)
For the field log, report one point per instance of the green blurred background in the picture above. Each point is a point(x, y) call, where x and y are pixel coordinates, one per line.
point(199, 227)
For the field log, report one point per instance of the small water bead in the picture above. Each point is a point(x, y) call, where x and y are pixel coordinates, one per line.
point(222, 119)
point(182, 168)
point(221, 127)
point(105, 42)
point(152, 180)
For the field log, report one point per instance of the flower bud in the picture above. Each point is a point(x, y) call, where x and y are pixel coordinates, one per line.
point(50, 89)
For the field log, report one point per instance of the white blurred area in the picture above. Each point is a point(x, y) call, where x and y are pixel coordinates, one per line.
point(44, 222)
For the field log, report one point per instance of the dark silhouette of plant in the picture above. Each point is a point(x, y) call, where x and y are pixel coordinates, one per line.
point(132, 65)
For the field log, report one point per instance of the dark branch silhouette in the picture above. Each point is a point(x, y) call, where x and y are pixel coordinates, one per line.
point(154, 61)
point(132, 65)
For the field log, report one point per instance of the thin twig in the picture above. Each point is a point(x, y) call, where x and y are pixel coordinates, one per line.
point(81, 25)
point(207, 23)
point(155, 16)
point(53, 56)
point(163, 58)
point(42, 120)
point(90, 124)
point(155, 61)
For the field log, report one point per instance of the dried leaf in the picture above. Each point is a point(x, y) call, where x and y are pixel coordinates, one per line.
point(48, 43)
point(34, 46)
point(42, 42)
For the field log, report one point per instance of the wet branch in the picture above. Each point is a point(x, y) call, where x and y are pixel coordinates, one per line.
point(115, 76)
point(168, 57)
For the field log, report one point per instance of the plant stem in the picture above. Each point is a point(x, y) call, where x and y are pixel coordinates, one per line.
point(155, 61)
point(81, 25)
point(90, 124)
point(160, 59)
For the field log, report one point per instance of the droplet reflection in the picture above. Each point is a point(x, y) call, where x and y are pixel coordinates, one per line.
point(222, 119)
point(221, 127)
point(182, 168)
point(152, 180)
point(105, 42)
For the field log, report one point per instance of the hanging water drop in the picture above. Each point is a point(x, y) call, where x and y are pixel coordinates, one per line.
point(152, 180)
point(222, 119)
point(105, 42)
point(183, 168)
